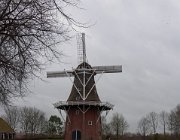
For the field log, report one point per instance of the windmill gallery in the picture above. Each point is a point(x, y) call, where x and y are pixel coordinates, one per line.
point(83, 108)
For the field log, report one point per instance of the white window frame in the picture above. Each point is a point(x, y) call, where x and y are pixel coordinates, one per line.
point(90, 123)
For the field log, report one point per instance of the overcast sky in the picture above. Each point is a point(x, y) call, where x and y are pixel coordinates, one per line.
point(143, 37)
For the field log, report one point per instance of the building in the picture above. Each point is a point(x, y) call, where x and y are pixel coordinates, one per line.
point(83, 108)
point(6, 132)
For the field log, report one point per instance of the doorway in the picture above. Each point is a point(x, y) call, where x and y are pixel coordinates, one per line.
point(76, 135)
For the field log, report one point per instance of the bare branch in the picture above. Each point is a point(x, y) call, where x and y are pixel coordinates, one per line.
point(29, 31)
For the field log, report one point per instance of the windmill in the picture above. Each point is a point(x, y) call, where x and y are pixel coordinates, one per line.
point(83, 108)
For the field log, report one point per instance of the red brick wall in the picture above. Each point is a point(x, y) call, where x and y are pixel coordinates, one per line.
point(80, 122)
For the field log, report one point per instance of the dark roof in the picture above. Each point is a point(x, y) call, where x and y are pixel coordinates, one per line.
point(90, 88)
point(4, 127)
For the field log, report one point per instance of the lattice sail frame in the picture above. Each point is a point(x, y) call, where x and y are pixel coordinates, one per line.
point(81, 48)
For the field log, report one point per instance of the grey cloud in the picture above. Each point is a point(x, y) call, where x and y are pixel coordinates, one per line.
point(143, 36)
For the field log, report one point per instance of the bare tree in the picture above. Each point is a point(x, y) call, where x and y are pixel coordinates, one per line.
point(163, 116)
point(171, 121)
point(29, 32)
point(144, 126)
point(174, 121)
point(106, 128)
point(124, 125)
point(153, 119)
point(178, 119)
point(119, 124)
point(11, 116)
point(25, 119)
point(43, 124)
point(32, 120)
point(37, 118)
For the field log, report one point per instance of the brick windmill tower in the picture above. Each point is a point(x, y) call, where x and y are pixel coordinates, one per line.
point(83, 108)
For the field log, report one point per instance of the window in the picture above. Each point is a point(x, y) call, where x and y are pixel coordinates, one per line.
point(89, 122)
point(77, 112)
point(77, 98)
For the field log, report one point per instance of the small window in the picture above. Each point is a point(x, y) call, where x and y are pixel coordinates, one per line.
point(89, 122)
point(77, 112)
point(77, 98)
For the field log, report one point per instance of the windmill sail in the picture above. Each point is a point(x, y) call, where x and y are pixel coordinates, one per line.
point(53, 74)
point(107, 69)
point(81, 48)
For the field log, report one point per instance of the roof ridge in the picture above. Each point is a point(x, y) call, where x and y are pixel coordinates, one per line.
point(4, 126)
